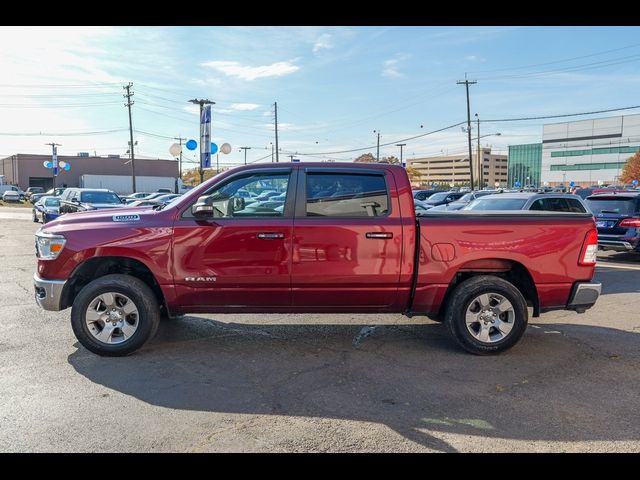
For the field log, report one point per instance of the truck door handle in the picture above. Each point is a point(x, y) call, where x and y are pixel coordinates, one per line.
point(379, 235)
point(270, 236)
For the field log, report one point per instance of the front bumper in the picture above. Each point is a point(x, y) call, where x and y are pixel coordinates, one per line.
point(584, 295)
point(48, 292)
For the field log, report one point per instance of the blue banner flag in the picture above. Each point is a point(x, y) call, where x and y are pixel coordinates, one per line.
point(205, 137)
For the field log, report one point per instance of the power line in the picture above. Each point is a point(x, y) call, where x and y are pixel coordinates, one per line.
point(385, 144)
point(560, 116)
point(557, 61)
point(67, 134)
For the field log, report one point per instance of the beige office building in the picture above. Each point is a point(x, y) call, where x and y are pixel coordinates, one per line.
point(454, 169)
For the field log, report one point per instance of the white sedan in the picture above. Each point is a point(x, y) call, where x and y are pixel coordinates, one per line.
point(11, 196)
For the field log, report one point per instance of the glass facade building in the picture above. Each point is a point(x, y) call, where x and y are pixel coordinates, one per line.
point(525, 164)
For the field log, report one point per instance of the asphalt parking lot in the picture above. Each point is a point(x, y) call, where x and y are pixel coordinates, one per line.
point(318, 382)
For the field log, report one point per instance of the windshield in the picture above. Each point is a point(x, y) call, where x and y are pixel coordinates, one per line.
point(611, 205)
point(169, 204)
point(466, 198)
point(437, 197)
point(497, 204)
point(52, 202)
point(99, 197)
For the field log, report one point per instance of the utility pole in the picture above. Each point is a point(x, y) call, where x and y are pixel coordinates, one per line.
point(276, 112)
point(180, 139)
point(378, 147)
point(401, 145)
point(202, 102)
point(245, 153)
point(466, 83)
point(130, 102)
point(271, 152)
point(291, 157)
point(480, 160)
point(54, 162)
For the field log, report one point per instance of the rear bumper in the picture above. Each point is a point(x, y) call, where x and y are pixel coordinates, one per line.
point(584, 295)
point(617, 245)
point(48, 292)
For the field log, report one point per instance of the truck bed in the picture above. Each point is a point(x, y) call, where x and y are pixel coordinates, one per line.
point(544, 244)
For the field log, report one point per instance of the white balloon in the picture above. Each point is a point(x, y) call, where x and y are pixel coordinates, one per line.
point(225, 148)
point(175, 149)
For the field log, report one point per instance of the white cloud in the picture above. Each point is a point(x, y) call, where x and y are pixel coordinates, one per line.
point(323, 42)
point(246, 72)
point(244, 106)
point(474, 58)
point(206, 82)
point(391, 66)
point(193, 108)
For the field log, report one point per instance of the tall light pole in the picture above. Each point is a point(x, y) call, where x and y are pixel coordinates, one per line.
point(54, 162)
point(180, 139)
point(201, 102)
point(130, 102)
point(480, 161)
point(245, 153)
point(480, 164)
point(401, 145)
point(378, 147)
point(466, 83)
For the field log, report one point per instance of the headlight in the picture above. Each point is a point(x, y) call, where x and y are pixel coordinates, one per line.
point(49, 246)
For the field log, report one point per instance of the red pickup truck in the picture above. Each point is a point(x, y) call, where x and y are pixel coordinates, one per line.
point(312, 237)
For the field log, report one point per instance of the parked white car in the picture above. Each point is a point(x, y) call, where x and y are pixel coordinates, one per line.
point(11, 196)
point(6, 188)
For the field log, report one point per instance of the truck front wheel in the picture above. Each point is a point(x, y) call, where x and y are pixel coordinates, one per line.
point(486, 315)
point(115, 315)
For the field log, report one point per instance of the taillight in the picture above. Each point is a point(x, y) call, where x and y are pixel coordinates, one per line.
point(589, 248)
point(630, 223)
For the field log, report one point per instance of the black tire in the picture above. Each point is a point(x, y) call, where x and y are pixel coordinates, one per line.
point(35, 217)
point(143, 298)
point(461, 299)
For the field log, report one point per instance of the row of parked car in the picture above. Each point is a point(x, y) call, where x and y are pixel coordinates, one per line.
point(56, 202)
point(616, 212)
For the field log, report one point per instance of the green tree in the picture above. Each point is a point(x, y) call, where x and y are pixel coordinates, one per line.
point(365, 158)
point(392, 160)
point(414, 175)
point(631, 170)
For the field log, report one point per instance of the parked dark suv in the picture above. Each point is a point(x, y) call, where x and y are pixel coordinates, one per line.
point(618, 220)
point(83, 199)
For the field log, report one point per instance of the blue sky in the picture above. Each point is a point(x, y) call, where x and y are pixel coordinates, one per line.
point(333, 85)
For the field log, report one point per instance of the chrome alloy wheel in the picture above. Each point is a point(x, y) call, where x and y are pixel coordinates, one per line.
point(490, 317)
point(112, 318)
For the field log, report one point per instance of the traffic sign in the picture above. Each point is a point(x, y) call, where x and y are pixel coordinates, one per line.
point(572, 183)
point(635, 183)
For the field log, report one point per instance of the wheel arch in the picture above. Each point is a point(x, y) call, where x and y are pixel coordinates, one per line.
point(96, 267)
point(510, 270)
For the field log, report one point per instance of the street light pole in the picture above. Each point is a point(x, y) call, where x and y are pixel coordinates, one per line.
point(401, 145)
point(202, 102)
point(378, 147)
point(466, 83)
point(480, 164)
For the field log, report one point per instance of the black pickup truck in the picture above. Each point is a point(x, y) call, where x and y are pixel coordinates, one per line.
point(84, 199)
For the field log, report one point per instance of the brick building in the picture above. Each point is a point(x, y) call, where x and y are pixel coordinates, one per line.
point(26, 170)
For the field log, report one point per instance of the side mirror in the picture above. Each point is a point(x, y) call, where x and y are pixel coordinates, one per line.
point(203, 208)
point(209, 206)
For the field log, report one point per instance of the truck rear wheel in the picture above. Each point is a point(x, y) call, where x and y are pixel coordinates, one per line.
point(486, 315)
point(115, 315)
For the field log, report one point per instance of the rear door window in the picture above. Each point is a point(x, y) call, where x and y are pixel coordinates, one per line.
point(346, 195)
